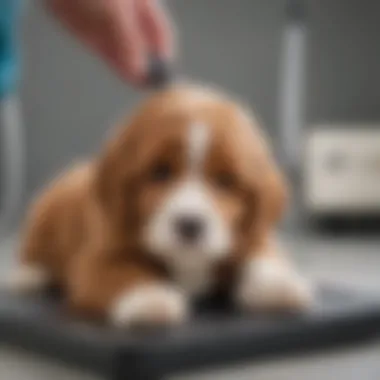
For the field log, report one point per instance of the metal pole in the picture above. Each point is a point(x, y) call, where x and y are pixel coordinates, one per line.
point(12, 161)
point(292, 83)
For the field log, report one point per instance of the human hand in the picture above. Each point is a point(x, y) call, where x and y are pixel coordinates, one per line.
point(125, 33)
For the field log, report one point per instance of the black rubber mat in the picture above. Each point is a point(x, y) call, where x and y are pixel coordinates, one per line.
point(217, 336)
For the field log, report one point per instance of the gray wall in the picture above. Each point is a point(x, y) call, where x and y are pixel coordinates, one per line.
point(344, 60)
point(70, 98)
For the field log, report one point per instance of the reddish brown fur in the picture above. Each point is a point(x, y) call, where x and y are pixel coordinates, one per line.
point(84, 228)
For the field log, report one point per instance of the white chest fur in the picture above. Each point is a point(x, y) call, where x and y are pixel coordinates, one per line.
point(194, 275)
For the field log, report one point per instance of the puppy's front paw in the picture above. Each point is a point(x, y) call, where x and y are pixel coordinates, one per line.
point(149, 305)
point(267, 285)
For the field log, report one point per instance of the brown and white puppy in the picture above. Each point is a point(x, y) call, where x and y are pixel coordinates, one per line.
point(184, 200)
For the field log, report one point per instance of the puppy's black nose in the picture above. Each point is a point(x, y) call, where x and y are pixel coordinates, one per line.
point(189, 228)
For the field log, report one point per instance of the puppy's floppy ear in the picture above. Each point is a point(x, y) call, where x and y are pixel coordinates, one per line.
point(274, 197)
point(266, 202)
point(114, 177)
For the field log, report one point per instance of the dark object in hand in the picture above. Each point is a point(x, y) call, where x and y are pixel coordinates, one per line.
point(159, 74)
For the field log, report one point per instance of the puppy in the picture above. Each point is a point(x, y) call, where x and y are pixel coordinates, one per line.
point(182, 201)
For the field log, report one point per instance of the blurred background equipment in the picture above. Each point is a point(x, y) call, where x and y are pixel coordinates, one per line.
point(342, 172)
point(328, 59)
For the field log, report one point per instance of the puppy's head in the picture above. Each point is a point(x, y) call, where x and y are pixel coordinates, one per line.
point(190, 175)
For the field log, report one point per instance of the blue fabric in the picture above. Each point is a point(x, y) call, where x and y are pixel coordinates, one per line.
point(9, 62)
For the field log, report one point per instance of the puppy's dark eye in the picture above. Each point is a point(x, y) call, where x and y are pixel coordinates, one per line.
point(224, 181)
point(161, 172)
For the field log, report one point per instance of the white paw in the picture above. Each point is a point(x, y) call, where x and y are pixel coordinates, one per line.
point(28, 279)
point(268, 285)
point(146, 305)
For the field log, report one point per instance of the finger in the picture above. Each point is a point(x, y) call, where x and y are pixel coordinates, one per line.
point(103, 49)
point(157, 28)
point(127, 42)
point(84, 22)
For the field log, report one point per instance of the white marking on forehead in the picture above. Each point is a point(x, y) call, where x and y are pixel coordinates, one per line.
point(199, 138)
